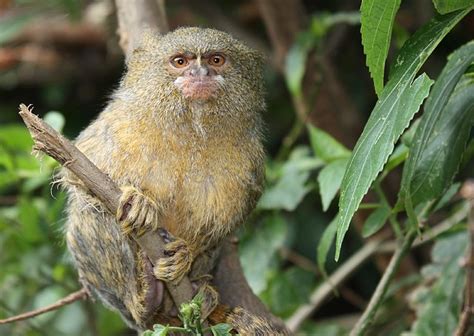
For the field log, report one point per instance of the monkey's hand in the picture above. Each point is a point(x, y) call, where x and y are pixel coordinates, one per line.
point(177, 261)
point(137, 212)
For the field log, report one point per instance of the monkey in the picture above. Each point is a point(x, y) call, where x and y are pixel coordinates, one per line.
point(182, 137)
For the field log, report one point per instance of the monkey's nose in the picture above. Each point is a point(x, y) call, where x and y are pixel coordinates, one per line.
point(199, 71)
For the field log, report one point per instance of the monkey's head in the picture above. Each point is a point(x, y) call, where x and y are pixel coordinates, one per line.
point(198, 64)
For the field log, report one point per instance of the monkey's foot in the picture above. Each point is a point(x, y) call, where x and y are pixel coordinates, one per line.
point(176, 263)
point(137, 212)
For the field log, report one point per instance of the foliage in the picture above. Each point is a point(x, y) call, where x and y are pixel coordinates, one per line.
point(399, 101)
point(190, 315)
point(315, 183)
point(36, 272)
point(376, 30)
point(438, 301)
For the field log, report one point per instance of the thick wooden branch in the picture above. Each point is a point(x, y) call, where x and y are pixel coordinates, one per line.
point(134, 16)
point(50, 142)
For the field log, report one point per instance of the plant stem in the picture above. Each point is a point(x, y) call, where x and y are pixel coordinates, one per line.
point(369, 206)
point(392, 218)
point(368, 317)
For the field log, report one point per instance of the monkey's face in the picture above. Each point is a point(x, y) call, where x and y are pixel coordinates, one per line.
point(197, 65)
point(199, 76)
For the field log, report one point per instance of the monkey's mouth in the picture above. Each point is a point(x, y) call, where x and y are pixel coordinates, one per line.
point(198, 87)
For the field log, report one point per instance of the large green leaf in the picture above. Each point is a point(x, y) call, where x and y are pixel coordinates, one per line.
point(398, 102)
point(325, 146)
point(440, 140)
point(448, 6)
point(376, 29)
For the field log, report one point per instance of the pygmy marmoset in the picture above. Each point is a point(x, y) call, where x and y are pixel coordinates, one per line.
point(182, 137)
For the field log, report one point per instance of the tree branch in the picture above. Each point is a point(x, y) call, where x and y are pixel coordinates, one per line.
point(134, 16)
point(73, 297)
point(324, 290)
point(50, 142)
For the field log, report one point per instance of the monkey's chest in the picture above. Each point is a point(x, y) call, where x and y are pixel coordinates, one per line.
point(203, 191)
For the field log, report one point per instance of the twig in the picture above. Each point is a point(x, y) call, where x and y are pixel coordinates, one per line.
point(327, 288)
point(50, 142)
point(367, 318)
point(299, 260)
point(435, 231)
point(467, 191)
point(376, 246)
point(8, 200)
point(274, 12)
point(73, 297)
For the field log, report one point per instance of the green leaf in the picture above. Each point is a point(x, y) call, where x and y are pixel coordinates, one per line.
point(15, 137)
point(325, 244)
point(221, 329)
point(448, 6)
point(439, 306)
point(398, 102)
point(55, 120)
point(6, 161)
point(257, 251)
point(325, 146)
point(441, 138)
point(291, 188)
point(398, 156)
point(330, 179)
point(323, 21)
point(288, 290)
point(376, 29)
point(295, 62)
point(375, 221)
point(30, 220)
point(158, 330)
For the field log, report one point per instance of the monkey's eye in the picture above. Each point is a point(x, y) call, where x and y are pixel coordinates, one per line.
point(179, 62)
point(216, 60)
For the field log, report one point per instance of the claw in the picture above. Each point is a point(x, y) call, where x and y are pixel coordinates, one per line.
point(177, 262)
point(137, 212)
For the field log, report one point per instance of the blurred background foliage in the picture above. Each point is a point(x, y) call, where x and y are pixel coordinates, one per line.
point(63, 55)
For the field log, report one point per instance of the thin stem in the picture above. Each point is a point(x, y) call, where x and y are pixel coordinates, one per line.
point(73, 297)
point(369, 206)
point(290, 139)
point(392, 217)
point(322, 292)
point(368, 317)
point(467, 191)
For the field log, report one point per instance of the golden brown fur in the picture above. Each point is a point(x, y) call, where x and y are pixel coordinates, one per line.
point(199, 163)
